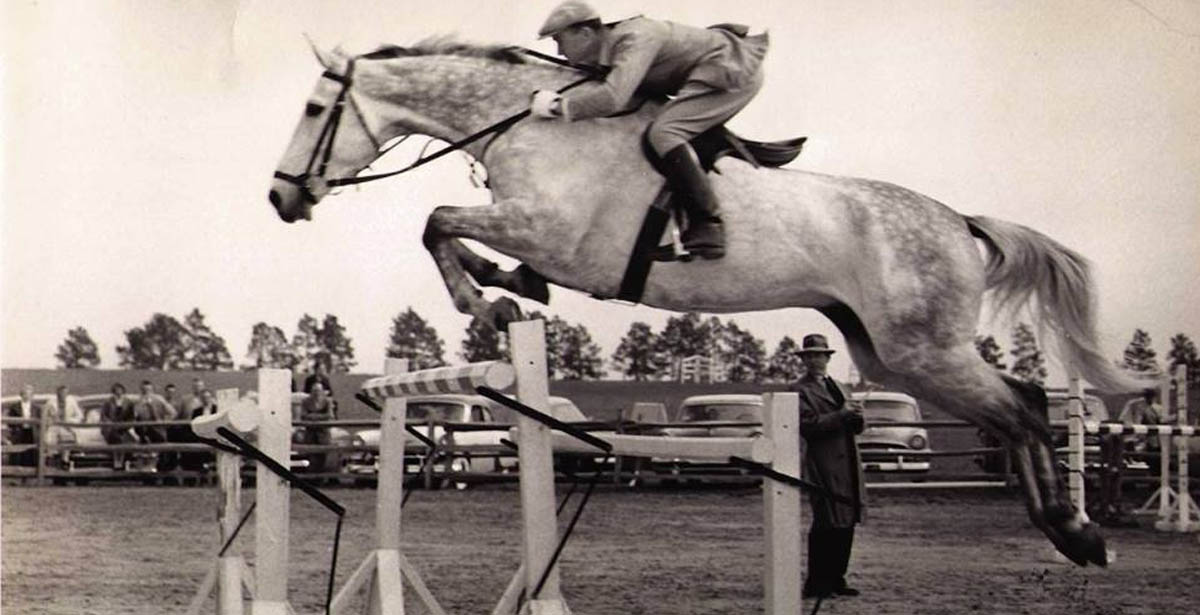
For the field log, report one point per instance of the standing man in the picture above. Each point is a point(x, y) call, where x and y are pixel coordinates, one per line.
point(832, 463)
point(709, 74)
point(23, 433)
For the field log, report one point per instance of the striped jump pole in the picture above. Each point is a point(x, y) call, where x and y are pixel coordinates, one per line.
point(385, 568)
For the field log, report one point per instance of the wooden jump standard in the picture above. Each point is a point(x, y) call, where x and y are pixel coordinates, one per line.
point(779, 449)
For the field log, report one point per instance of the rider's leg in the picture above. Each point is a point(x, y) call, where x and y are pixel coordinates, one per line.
point(697, 107)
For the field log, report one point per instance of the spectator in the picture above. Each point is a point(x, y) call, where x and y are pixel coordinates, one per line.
point(205, 403)
point(318, 406)
point(320, 374)
point(833, 464)
point(117, 409)
point(169, 460)
point(23, 433)
point(62, 408)
point(150, 407)
point(195, 400)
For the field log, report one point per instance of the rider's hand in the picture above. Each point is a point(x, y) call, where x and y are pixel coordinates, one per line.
point(545, 103)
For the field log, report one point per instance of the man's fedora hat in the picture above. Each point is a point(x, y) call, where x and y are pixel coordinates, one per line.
point(815, 343)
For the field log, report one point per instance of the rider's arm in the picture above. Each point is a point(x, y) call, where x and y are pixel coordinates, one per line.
point(633, 52)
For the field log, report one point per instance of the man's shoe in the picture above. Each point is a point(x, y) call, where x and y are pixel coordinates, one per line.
point(846, 590)
point(810, 592)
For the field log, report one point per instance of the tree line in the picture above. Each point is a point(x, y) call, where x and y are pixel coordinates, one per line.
point(165, 343)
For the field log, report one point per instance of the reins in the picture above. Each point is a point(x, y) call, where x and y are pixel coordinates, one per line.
point(324, 144)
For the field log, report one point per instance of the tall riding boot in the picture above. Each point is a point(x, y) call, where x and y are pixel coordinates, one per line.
point(705, 233)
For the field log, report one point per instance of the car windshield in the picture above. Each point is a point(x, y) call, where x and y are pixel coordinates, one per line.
point(434, 411)
point(731, 412)
point(884, 411)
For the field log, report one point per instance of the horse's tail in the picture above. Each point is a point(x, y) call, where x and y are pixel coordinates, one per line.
point(1026, 267)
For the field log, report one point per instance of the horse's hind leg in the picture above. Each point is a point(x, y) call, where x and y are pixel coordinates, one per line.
point(956, 379)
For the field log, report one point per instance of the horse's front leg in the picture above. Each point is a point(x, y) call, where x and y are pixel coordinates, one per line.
point(458, 264)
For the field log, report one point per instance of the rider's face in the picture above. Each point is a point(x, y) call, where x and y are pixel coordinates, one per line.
point(579, 45)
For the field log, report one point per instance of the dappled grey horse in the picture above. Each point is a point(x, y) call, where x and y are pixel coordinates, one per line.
point(901, 275)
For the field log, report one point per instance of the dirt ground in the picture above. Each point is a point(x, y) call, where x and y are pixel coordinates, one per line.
point(144, 550)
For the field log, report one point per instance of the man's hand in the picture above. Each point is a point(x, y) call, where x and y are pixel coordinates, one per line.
point(852, 418)
point(546, 104)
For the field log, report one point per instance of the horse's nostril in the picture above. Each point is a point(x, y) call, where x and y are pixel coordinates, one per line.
point(275, 199)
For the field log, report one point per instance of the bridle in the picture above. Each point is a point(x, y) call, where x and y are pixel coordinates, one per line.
point(323, 148)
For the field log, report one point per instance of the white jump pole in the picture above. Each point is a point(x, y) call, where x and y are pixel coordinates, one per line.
point(1180, 513)
point(1075, 458)
point(385, 567)
point(273, 515)
point(782, 522)
point(229, 575)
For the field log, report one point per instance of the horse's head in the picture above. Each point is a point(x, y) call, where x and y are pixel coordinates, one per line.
point(332, 140)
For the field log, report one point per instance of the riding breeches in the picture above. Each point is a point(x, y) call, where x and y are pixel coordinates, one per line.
point(697, 107)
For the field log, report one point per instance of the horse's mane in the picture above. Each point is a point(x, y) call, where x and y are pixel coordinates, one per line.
point(448, 45)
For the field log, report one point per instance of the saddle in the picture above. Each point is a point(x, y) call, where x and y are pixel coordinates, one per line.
point(710, 146)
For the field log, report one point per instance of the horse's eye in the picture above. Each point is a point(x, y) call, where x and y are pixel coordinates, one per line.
point(313, 110)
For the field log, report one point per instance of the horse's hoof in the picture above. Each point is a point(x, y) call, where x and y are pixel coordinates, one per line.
point(504, 311)
point(1085, 546)
point(533, 285)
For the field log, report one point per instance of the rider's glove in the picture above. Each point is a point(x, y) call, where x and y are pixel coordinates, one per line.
point(546, 103)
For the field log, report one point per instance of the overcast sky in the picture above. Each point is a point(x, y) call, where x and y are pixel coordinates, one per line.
point(140, 138)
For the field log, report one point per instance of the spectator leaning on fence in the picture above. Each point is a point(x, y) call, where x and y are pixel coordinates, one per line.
point(195, 399)
point(148, 408)
point(62, 408)
point(320, 374)
point(117, 409)
point(23, 433)
point(205, 403)
point(318, 406)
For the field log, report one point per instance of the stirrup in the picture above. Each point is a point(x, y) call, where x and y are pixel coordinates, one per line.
point(669, 253)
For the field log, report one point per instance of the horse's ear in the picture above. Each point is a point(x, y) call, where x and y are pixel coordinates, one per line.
point(324, 58)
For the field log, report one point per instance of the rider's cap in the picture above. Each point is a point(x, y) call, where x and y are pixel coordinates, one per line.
point(815, 343)
point(566, 15)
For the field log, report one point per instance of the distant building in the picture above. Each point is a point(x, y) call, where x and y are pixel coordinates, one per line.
point(700, 368)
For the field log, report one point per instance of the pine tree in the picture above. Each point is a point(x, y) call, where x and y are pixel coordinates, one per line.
point(1183, 352)
point(579, 356)
point(78, 351)
point(743, 356)
point(989, 349)
point(785, 364)
point(1028, 363)
point(636, 355)
point(336, 345)
point(205, 349)
point(483, 343)
point(306, 342)
point(412, 338)
point(269, 347)
point(1139, 356)
point(160, 344)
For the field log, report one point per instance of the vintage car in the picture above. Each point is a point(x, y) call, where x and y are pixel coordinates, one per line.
point(883, 446)
point(732, 415)
point(717, 415)
point(471, 448)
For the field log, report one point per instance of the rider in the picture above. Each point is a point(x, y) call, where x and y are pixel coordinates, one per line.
point(709, 73)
